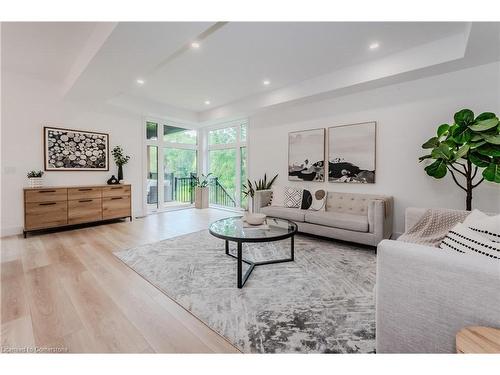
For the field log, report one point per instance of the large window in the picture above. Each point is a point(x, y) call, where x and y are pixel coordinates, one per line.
point(152, 178)
point(227, 161)
point(171, 148)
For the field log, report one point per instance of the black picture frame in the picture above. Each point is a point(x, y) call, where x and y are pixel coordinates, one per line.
point(69, 152)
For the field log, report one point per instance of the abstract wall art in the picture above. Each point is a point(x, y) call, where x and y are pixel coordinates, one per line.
point(351, 153)
point(75, 150)
point(306, 155)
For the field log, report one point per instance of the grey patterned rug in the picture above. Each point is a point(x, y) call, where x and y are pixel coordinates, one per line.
point(323, 302)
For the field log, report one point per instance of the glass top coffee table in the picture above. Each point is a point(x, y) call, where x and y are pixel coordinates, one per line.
point(233, 229)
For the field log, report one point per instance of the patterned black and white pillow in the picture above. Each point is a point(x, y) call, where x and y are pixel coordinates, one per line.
point(314, 202)
point(486, 225)
point(293, 197)
point(466, 241)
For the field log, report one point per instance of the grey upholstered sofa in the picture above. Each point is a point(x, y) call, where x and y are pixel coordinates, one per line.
point(360, 218)
point(425, 295)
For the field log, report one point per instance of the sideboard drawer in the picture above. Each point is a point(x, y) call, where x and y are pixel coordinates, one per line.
point(46, 195)
point(84, 211)
point(115, 207)
point(84, 193)
point(46, 214)
point(116, 191)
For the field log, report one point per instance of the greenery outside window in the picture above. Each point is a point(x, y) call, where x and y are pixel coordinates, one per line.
point(227, 160)
point(171, 150)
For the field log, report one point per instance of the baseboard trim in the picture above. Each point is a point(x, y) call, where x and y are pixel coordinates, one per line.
point(11, 231)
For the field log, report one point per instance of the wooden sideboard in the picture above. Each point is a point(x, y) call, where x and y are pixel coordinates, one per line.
point(52, 207)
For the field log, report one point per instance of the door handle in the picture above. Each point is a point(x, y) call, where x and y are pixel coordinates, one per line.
point(47, 204)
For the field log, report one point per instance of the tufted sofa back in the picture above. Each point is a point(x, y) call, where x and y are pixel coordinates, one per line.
point(352, 203)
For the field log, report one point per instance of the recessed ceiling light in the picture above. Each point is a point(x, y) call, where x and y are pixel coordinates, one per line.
point(374, 45)
point(195, 45)
point(266, 82)
point(140, 81)
point(207, 102)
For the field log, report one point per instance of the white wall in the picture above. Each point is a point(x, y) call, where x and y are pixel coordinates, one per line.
point(27, 106)
point(407, 114)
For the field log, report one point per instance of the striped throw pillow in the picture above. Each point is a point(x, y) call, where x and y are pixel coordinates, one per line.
point(466, 241)
point(483, 224)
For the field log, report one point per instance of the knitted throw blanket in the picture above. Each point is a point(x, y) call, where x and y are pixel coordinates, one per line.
point(433, 226)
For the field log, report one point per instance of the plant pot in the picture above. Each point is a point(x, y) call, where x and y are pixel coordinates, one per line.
point(201, 197)
point(255, 203)
point(35, 182)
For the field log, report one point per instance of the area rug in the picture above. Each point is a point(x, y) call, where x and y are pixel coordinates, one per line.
point(323, 302)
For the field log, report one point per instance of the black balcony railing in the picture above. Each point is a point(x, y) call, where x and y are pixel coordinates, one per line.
point(218, 194)
point(182, 189)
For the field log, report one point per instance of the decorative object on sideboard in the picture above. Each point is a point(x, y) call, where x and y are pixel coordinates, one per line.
point(351, 153)
point(464, 148)
point(120, 160)
point(201, 191)
point(35, 179)
point(113, 180)
point(306, 155)
point(75, 150)
point(249, 189)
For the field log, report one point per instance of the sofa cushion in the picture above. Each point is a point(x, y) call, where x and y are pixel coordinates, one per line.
point(358, 223)
point(354, 203)
point(294, 214)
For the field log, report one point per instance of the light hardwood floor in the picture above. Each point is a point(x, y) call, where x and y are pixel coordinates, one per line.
point(66, 290)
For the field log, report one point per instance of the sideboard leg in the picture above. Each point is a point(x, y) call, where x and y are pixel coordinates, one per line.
point(24, 233)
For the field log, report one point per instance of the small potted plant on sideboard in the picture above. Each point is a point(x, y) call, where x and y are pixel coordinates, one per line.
point(201, 191)
point(35, 179)
point(120, 161)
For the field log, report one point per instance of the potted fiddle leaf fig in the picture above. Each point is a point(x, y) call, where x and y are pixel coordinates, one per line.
point(469, 149)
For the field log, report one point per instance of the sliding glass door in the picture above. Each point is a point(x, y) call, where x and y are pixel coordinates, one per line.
point(172, 149)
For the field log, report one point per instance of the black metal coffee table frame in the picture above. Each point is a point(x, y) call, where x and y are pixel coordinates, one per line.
point(242, 278)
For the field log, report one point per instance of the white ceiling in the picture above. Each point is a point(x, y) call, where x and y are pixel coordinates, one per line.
point(43, 50)
point(232, 62)
point(301, 59)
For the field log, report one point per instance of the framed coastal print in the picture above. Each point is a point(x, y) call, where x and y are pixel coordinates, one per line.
point(306, 155)
point(75, 150)
point(351, 153)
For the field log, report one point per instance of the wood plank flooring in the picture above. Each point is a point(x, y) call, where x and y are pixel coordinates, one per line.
point(66, 290)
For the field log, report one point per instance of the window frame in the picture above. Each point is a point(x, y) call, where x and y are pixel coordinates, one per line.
point(161, 144)
point(235, 145)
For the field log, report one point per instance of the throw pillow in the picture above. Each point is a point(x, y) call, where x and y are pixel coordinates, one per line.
point(319, 200)
point(278, 196)
point(293, 197)
point(481, 223)
point(466, 241)
point(314, 202)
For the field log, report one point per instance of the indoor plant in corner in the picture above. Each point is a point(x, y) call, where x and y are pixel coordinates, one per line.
point(120, 161)
point(201, 191)
point(249, 189)
point(465, 148)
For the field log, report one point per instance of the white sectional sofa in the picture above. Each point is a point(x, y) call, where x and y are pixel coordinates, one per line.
point(425, 295)
point(360, 218)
